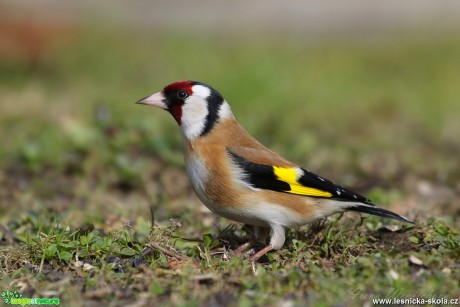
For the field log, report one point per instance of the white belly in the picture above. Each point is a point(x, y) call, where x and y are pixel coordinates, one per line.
point(198, 175)
point(258, 214)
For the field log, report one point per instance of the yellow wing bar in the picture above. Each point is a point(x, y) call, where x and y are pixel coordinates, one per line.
point(289, 175)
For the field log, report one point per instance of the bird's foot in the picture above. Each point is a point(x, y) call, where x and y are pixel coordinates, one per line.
point(240, 250)
point(260, 253)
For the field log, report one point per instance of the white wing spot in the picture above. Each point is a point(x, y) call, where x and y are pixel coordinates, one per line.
point(300, 173)
point(338, 192)
point(322, 179)
point(355, 196)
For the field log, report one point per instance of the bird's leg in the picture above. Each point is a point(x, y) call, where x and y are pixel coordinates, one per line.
point(262, 252)
point(240, 250)
point(277, 238)
point(260, 235)
point(244, 247)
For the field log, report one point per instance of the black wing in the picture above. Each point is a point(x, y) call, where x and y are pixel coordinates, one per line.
point(294, 180)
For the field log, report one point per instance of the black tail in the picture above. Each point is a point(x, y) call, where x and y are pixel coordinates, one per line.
point(380, 212)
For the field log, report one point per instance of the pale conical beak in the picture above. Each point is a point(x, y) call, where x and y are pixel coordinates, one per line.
point(156, 100)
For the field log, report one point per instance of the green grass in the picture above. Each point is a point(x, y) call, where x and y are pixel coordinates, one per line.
point(360, 261)
point(84, 171)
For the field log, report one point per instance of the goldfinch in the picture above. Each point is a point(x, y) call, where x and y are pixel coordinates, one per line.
point(238, 178)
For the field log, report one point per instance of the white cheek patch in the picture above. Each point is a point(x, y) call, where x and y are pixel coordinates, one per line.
point(194, 113)
point(196, 118)
point(201, 91)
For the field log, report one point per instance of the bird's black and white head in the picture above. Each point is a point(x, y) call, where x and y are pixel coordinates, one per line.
point(195, 106)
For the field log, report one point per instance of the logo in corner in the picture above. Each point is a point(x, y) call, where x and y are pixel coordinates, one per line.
point(15, 298)
point(8, 296)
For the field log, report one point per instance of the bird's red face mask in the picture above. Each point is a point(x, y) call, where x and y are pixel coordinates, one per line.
point(171, 98)
point(195, 106)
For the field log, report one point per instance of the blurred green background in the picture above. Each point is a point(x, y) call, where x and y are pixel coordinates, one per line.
point(359, 94)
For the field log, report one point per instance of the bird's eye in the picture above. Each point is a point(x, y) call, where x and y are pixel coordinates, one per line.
point(182, 94)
